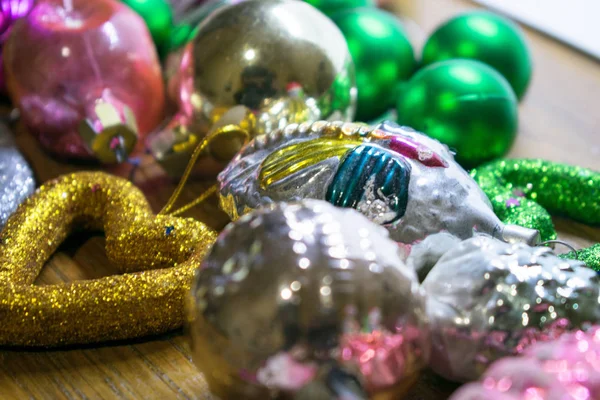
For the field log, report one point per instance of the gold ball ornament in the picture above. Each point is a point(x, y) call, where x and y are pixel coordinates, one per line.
point(307, 301)
point(258, 64)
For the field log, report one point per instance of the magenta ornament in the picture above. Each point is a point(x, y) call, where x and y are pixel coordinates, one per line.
point(86, 78)
point(10, 12)
point(565, 369)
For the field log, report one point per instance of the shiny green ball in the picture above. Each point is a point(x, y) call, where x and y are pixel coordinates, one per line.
point(331, 6)
point(465, 104)
point(486, 37)
point(382, 54)
point(180, 36)
point(188, 26)
point(158, 17)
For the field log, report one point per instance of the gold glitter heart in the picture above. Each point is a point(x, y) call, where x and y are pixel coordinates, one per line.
point(156, 254)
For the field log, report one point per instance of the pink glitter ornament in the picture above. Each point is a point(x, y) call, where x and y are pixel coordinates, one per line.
point(565, 369)
point(86, 77)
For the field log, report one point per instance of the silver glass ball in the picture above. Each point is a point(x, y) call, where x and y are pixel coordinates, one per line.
point(308, 301)
point(487, 299)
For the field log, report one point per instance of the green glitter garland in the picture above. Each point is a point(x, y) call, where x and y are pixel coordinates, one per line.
point(590, 256)
point(527, 192)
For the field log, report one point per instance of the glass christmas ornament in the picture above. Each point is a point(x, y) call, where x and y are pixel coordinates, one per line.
point(86, 78)
point(330, 7)
point(260, 65)
point(487, 299)
point(486, 37)
point(158, 16)
point(307, 301)
point(16, 176)
point(10, 12)
point(397, 177)
point(464, 104)
point(566, 368)
point(382, 54)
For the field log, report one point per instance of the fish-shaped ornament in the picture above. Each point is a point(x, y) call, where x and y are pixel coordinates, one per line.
point(397, 177)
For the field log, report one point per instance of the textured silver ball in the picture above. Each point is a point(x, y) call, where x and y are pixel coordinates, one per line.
point(309, 301)
point(487, 299)
point(16, 177)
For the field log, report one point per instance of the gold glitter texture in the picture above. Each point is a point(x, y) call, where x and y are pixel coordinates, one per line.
point(157, 256)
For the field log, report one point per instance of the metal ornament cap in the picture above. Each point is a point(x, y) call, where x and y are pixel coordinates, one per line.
point(111, 135)
point(519, 234)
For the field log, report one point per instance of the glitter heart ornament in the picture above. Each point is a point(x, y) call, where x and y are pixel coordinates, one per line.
point(156, 256)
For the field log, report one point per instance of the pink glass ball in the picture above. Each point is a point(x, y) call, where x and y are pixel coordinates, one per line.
point(67, 57)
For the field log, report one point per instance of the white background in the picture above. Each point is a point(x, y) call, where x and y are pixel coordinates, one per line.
point(576, 22)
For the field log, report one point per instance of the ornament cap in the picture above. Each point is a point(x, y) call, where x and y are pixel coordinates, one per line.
point(111, 131)
point(519, 234)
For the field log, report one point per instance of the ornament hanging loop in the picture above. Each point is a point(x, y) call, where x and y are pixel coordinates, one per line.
point(570, 247)
point(227, 130)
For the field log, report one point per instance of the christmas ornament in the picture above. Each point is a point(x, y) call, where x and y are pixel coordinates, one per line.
point(526, 192)
point(486, 37)
point(590, 256)
point(464, 104)
point(85, 77)
point(307, 300)
point(563, 369)
point(16, 177)
point(189, 18)
point(330, 7)
point(487, 299)
point(156, 257)
point(397, 177)
point(181, 7)
point(280, 73)
point(10, 12)
point(159, 19)
point(382, 54)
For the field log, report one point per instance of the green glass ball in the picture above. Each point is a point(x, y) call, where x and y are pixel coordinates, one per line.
point(331, 6)
point(158, 17)
point(382, 54)
point(188, 26)
point(465, 104)
point(180, 36)
point(486, 37)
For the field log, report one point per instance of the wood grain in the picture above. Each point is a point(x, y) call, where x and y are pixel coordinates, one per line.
point(559, 121)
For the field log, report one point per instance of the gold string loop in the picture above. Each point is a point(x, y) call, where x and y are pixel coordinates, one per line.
point(222, 131)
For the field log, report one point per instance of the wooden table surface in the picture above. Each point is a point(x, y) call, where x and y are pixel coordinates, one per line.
point(560, 121)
